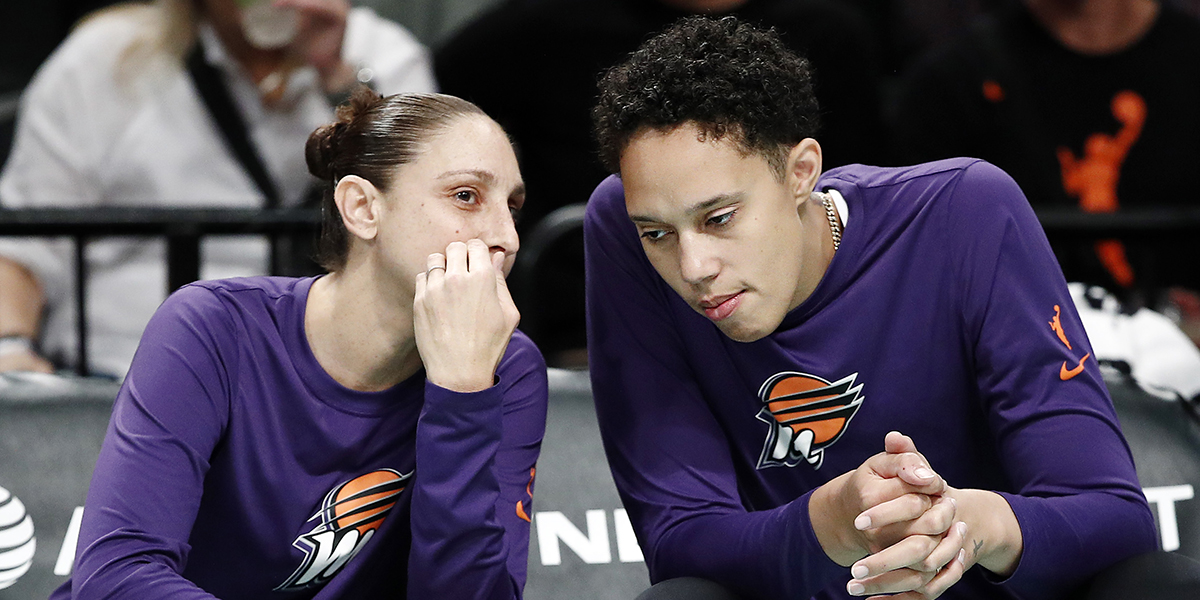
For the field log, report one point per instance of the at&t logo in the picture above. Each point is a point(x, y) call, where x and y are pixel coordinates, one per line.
point(16, 539)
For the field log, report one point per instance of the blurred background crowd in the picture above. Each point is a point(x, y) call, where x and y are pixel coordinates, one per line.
point(1091, 105)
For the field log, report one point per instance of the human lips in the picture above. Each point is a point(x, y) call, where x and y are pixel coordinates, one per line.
point(718, 308)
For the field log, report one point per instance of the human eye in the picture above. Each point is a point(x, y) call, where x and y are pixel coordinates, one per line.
point(467, 196)
point(654, 235)
point(515, 212)
point(721, 219)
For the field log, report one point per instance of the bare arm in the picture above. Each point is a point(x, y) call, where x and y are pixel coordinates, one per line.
point(21, 303)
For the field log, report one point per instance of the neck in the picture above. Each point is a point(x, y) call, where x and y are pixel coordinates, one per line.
point(1095, 27)
point(818, 243)
point(358, 331)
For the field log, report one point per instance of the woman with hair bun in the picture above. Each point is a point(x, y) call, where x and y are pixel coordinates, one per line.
point(368, 433)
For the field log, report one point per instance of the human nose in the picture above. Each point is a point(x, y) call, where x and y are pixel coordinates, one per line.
point(697, 261)
point(501, 233)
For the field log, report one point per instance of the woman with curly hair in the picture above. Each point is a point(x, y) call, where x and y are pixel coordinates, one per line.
point(771, 345)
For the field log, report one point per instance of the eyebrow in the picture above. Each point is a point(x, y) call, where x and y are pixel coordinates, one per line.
point(698, 207)
point(488, 178)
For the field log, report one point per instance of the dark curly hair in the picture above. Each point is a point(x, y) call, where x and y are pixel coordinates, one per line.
point(724, 75)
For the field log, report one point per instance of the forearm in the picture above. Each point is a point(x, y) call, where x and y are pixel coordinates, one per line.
point(132, 570)
point(1068, 539)
point(761, 554)
point(459, 548)
point(21, 300)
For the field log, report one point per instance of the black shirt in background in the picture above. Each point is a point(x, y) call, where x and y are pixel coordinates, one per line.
point(1008, 92)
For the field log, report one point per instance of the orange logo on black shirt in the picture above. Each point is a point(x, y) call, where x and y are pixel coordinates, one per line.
point(349, 516)
point(1093, 176)
point(807, 414)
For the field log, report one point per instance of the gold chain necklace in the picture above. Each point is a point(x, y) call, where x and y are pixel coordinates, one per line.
point(835, 228)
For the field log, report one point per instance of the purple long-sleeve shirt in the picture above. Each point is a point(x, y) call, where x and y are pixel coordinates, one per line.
point(236, 467)
point(943, 315)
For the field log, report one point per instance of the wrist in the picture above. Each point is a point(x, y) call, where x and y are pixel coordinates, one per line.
point(831, 527)
point(994, 539)
point(16, 344)
point(461, 384)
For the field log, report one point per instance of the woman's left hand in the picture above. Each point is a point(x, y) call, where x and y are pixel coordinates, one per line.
point(463, 316)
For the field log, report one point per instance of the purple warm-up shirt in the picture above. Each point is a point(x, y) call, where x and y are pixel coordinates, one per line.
point(940, 316)
point(235, 467)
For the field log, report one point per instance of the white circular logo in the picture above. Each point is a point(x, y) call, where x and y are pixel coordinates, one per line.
point(16, 539)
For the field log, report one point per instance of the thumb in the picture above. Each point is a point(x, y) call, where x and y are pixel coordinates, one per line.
point(506, 301)
point(898, 443)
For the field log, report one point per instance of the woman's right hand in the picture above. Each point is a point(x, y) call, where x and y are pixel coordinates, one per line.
point(463, 316)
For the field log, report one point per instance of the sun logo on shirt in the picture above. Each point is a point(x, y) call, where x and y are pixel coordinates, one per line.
point(347, 519)
point(807, 414)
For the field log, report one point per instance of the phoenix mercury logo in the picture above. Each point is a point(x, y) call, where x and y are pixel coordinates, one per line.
point(807, 414)
point(347, 520)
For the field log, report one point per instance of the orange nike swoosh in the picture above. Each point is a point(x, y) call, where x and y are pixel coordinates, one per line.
point(1064, 373)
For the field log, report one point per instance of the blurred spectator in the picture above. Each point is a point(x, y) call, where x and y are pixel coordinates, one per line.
point(533, 66)
point(904, 29)
point(1088, 103)
point(114, 117)
point(29, 32)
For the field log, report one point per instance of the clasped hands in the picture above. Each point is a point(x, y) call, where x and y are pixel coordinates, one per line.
point(895, 523)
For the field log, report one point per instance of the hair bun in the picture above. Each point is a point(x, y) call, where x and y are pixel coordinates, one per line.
point(319, 150)
point(361, 101)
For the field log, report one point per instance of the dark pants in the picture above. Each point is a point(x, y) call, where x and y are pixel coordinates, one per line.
point(686, 588)
point(1153, 576)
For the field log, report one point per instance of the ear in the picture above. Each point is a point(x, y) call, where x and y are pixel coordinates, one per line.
point(358, 201)
point(803, 168)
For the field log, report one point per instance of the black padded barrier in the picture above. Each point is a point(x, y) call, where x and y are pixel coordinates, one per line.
point(581, 546)
point(576, 502)
point(1164, 436)
point(51, 428)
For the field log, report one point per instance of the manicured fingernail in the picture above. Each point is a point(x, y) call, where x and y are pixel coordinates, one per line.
point(862, 522)
point(859, 571)
point(962, 556)
point(923, 473)
point(855, 588)
point(953, 502)
point(962, 528)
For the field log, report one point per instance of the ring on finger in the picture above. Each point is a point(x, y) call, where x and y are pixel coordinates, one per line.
point(430, 269)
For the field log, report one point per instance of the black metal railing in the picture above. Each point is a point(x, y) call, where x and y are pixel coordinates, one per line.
point(184, 228)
